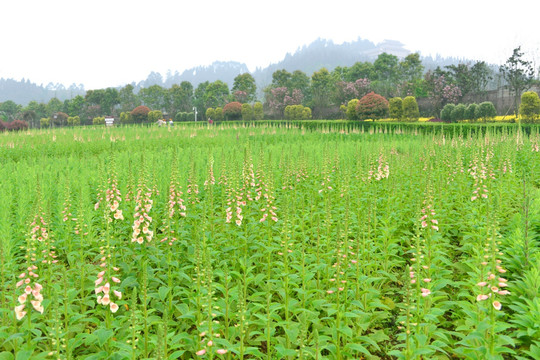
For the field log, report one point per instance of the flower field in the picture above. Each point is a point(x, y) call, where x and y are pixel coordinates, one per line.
point(239, 242)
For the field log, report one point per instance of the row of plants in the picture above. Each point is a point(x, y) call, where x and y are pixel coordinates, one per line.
point(263, 242)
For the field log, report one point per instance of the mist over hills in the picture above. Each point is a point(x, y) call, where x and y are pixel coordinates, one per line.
point(308, 58)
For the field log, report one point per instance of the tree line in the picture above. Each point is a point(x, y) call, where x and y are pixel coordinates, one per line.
point(326, 93)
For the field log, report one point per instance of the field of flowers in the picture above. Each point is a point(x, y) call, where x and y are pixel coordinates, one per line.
point(235, 242)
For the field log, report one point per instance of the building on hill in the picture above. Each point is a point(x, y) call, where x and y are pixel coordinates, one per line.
point(392, 47)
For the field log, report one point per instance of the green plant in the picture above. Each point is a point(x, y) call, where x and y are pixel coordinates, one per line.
point(410, 109)
point(396, 108)
point(529, 109)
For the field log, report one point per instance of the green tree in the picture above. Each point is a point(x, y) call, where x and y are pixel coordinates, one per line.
point(471, 113)
point(154, 116)
point(246, 83)
point(281, 78)
point(73, 107)
point(446, 112)
point(360, 70)
point(410, 109)
point(299, 80)
point(180, 97)
point(458, 113)
point(486, 110)
point(529, 109)
point(395, 105)
point(411, 68)
point(216, 94)
point(322, 86)
point(518, 73)
point(53, 106)
point(258, 111)
point(350, 112)
point(210, 113)
point(155, 97)
point(127, 98)
point(387, 73)
point(247, 112)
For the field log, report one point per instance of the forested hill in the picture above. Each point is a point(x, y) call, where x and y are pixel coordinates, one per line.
point(309, 58)
point(24, 91)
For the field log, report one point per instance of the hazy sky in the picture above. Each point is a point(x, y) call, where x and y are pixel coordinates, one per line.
point(105, 43)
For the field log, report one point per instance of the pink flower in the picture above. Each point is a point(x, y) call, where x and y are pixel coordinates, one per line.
point(434, 227)
point(19, 283)
point(424, 224)
point(221, 351)
point(201, 352)
point(118, 294)
point(482, 283)
point(329, 291)
point(434, 221)
point(210, 343)
point(22, 298)
point(504, 292)
point(98, 281)
point(482, 297)
point(106, 300)
point(425, 292)
point(427, 280)
point(497, 305)
point(19, 313)
point(114, 307)
point(115, 279)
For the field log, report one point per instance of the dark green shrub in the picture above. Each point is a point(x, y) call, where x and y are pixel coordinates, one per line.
point(471, 113)
point(446, 112)
point(395, 106)
point(486, 111)
point(458, 113)
point(410, 109)
point(529, 109)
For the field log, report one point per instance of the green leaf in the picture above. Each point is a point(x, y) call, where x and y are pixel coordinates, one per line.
point(359, 348)
point(282, 351)
point(103, 335)
point(163, 291)
point(24, 354)
point(6, 356)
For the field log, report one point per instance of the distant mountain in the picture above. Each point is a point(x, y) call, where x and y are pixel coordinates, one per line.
point(308, 58)
point(24, 91)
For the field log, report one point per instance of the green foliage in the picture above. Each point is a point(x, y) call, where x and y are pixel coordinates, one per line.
point(209, 113)
point(44, 122)
point(458, 113)
point(529, 109)
point(446, 112)
point(351, 109)
point(99, 120)
point(372, 106)
point(267, 241)
point(245, 83)
point(247, 112)
point(258, 111)
point(297, 112)
point(187, 116)
point(74, 120)
point(472, 112)
point(410, 109)
point(486, 110)
point(126, 118)
point(154, 116)
point(395, 105)
point(218, 114)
